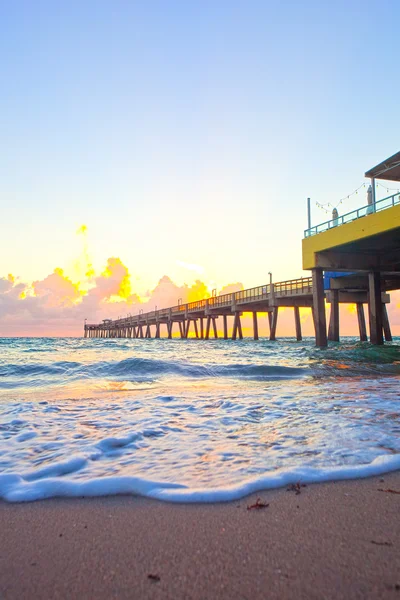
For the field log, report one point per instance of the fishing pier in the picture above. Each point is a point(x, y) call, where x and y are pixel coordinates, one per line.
point(353, 259)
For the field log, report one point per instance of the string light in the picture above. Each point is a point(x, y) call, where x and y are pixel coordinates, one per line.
point(331, 206)
point(388, 189)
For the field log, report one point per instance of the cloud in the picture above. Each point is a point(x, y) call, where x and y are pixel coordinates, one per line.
point(230, 288)
point(190, 267)
point(56, 290)
point(58, 304)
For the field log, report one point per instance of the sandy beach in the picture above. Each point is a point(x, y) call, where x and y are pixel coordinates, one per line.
point(335, 540)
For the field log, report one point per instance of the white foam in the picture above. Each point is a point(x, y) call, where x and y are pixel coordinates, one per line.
point(16, 488)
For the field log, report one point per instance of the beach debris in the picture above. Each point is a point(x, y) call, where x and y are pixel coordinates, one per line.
point(296, 487)
point(381, 543)
point(389, 491)
point(258, 505)
point(153, 577)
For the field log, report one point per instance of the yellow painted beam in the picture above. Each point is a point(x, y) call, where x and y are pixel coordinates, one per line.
point(359, 229)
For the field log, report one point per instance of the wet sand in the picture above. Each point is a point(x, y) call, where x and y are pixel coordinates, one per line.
point(337, 540)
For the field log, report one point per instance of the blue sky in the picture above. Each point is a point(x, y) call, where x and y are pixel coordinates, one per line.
point(188, 132)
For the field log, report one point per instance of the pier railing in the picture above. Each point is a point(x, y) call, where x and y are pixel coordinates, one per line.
point(242, 298)
point(364, 211)
point(294, 287)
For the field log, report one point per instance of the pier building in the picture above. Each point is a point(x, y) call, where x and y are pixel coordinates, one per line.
point(363, 245)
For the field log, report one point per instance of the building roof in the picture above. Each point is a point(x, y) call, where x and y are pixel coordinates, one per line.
point(388, 169)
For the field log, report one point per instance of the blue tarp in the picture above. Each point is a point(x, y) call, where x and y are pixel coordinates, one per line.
point(328, 275)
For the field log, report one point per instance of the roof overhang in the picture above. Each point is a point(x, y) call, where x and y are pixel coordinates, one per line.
point(388, 169)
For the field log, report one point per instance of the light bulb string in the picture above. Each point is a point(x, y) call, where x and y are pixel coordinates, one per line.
point(333, 207)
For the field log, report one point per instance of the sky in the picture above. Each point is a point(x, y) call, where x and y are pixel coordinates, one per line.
point(179, 140)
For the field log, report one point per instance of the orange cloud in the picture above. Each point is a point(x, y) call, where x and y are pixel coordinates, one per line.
point(117, 278)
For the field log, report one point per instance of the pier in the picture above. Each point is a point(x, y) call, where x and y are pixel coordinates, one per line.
point(201, 316)
point(353, 259)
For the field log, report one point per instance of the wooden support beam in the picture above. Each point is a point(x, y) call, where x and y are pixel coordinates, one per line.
point(361, 322)
point(269, 315)
point(297, 323)
point(215, 327)
point(225, 319)
point(375, 309)
point(239, 327)
point(157, 330)
point(319, 308)
point(333, 332)
point(208, 323)
point(274, 322)
point(169, 326)
point(235, 325)
point(187, 328)
point(148, 333)
point(386, 324)
point(255, 325)
point(196, 330)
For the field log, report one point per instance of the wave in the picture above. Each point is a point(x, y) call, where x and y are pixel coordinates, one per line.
point(20, 488)
point(140, 369)
point(357, 359)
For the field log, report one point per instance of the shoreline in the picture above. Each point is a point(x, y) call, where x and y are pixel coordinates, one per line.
point(332, 540)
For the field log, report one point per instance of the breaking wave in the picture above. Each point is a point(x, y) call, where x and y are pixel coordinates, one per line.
point(198, 421)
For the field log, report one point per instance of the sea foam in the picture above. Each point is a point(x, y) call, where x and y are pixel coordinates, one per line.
point(15, 488)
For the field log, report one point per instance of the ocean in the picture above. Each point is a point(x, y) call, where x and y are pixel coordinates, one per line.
point(192, 420)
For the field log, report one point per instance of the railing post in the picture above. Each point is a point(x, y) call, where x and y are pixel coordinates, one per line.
point(233, 306)
point(272, 294)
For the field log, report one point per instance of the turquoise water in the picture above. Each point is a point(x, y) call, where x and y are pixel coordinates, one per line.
point(190, 419)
